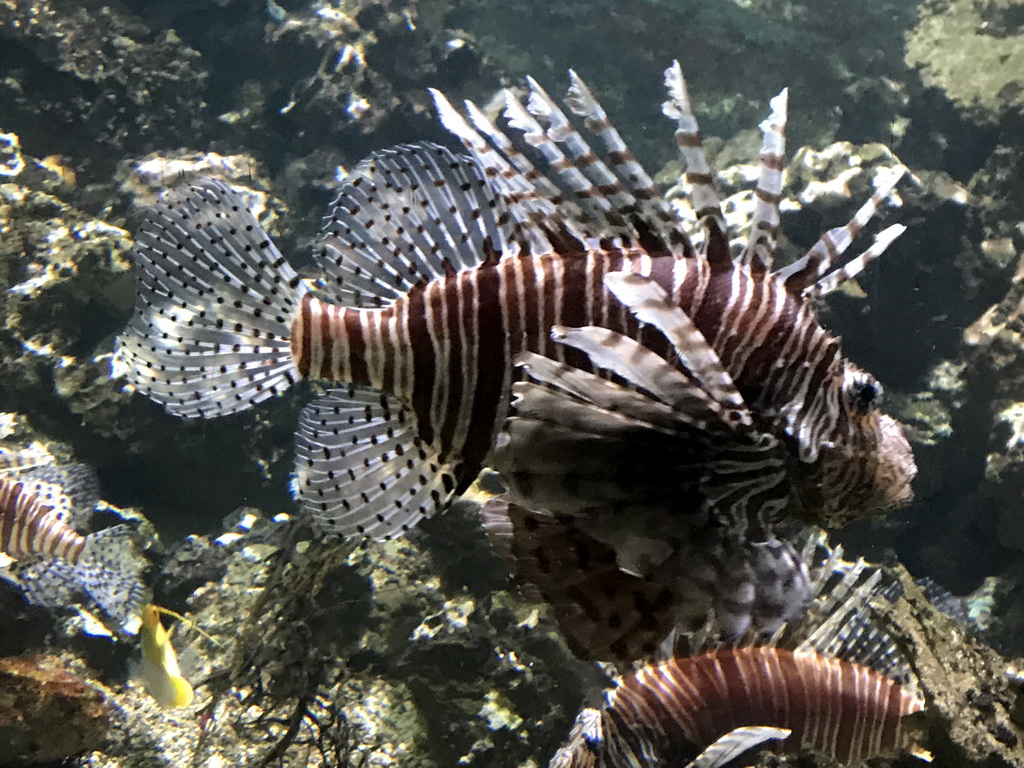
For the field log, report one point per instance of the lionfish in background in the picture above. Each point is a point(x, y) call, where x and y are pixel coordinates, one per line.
point(47, 558)
point(438, 269)
point(833, 682)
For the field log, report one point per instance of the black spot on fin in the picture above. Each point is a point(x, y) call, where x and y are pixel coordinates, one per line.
point(361, 467)
point(210, 333)
point(404, 216)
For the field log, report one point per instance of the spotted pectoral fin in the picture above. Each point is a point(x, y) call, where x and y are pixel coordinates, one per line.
point(362, 468)
point(111, 570)
point(737, 741)
point(603, 612)
point(50, 583)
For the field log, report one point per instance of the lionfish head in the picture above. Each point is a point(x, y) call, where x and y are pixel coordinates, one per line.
point(870, 467)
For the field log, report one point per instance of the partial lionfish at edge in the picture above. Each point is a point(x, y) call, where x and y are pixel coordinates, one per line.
point(51, 562)
point(832, 681)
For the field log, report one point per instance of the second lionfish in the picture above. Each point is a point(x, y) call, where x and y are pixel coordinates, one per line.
point(438, 269)
point(47, 558)
point(834, 681)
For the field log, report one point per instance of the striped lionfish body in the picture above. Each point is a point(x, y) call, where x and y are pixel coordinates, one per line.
point(665, 714)
point(440, 270)
point(33, 523)
point(833, 682)
point(50, 560)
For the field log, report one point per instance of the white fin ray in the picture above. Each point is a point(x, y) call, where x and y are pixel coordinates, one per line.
point(586, 175)
point(636, 364)
point(698, 174)
point(361, 469)
point(527, 203)
point(692, 407)
point(854, 267)
point(825, 254)
point(546, 203)
point(735, 743)
point(650, 304)
point(760, 247)
point(594, 207)
point(652, 207)
point(210, 334)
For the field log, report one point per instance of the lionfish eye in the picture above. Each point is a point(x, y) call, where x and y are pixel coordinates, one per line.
point(864, 392)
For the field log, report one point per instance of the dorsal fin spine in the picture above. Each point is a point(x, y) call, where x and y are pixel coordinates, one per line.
point(697, 173)
point(760, 247)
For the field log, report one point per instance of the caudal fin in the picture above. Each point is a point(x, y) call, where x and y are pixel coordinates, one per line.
point(211, 330)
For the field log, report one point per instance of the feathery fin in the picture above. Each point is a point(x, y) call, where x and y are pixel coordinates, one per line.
point(361, 467)
point(210, 333)
point(406, 216)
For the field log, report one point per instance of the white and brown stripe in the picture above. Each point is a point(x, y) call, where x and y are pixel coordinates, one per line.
point(839, 708)
point(30, 525)
point(447, 347)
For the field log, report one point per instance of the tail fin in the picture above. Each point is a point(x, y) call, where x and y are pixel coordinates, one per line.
point(110, 572)
point(211, 331)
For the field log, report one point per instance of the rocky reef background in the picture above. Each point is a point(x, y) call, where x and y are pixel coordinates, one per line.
point(419, 652)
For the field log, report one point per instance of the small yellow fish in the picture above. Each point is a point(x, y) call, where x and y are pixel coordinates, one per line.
point(159, 672)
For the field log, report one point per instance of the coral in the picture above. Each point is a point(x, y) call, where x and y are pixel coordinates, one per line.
point(35, 694)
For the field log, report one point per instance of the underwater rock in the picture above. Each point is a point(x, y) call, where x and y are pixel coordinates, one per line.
point(318, 652)
point(86, 75)
point(971, 49)
point(144, 180)
point(970, 716)
point(37, 694)
point(994, 344)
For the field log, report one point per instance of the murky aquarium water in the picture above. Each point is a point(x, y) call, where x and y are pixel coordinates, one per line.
point(437, 383)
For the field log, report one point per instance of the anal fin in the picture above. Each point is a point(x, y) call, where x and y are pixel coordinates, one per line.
point(361, 467)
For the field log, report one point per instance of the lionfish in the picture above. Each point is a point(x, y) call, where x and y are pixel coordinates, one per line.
point(438, 269)
point(833, 682)
point(47, 558)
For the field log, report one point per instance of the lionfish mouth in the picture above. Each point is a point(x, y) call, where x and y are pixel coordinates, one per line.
point(849, 485)
point(896, 467)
